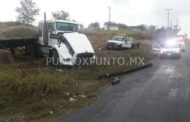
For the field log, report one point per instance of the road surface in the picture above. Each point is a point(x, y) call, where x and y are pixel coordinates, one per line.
point(158, 94)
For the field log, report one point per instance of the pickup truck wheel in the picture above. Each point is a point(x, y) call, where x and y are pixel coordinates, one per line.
point(120, 47)
point(133, 46)
point(55, 58)
point(107, 47)
point(178, 56)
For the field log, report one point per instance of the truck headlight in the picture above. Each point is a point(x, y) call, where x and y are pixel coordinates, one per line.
point(162, 51)
point(178, 51)
point(67, 59)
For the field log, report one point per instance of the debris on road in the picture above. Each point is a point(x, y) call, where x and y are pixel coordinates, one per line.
point(71, 99)
point(115, 81)
point(82, 96)
point(108, 75)
point(51, 112)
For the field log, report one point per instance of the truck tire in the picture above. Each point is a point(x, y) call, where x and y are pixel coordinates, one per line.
point(120, 47)
point(34, 50)
point(133, 46)
point(138, 45)
point(107, 47)
point(55, 58)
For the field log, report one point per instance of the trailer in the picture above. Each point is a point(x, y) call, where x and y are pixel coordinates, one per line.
point(13, 43)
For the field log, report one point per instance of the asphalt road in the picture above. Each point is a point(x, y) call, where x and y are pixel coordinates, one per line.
point(157, 94)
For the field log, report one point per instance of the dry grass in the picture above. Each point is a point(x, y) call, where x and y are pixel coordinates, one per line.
point(35, 90)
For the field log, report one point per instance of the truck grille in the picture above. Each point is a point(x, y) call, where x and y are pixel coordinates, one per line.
point(170, 52)
point(84, 58)
point(111, 44)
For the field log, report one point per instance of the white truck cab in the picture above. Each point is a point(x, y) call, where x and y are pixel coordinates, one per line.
point(60, 40)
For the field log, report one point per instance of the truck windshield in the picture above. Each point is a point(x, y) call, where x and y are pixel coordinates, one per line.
point(118, 38)
point(62, 26)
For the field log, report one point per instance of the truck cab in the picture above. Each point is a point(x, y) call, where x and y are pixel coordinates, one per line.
point(60, 40)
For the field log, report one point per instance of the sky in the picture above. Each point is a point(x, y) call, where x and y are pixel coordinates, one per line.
point(129, 12)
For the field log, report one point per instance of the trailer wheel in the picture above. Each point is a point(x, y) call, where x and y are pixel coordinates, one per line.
point(133, 46)
point(107, 47)
point(138, 45)
point(55, 58)
point(33, 50)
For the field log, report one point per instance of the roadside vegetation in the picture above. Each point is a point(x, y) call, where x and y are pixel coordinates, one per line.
point(37, 91)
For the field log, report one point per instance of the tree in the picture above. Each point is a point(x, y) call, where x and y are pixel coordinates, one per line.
point(60, 15)
point(108, 25)
point(152, 28)
point(142, 27)
point(81, 27)
point(27, 11)
point(122, 26)
point(95, 25)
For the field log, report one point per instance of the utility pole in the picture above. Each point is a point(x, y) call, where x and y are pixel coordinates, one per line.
point(109, 13)
point(177, 23)
point(171, 25)
point(168, 21)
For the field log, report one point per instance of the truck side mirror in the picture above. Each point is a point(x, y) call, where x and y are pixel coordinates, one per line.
point(59, 42)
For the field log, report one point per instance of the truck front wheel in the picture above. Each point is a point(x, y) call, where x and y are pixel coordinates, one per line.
point(55, 58)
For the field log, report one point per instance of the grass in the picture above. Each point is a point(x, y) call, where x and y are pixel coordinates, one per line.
point(36, 91)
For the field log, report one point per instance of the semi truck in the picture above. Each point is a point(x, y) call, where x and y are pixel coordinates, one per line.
point(59, 40)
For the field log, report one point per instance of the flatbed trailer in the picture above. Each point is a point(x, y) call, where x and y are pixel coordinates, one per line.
point(13, 43)
point(59, 40)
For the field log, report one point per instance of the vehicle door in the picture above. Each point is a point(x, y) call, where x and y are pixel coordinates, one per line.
point(51, 30)
point(125, 43)
point(156, 48)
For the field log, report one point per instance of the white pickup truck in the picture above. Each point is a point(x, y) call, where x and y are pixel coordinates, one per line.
point(119, 42)
point(168, 49)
